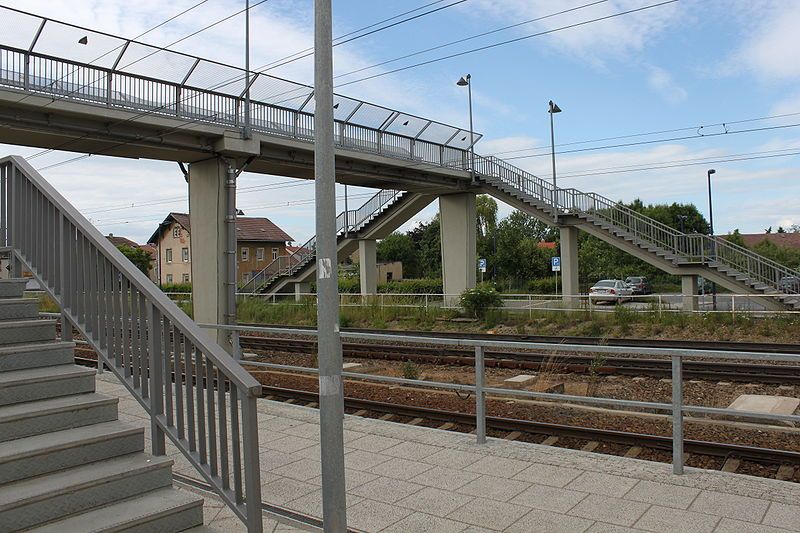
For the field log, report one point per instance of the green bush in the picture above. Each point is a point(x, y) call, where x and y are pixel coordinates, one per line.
point(542, 285)
point(176, 287)
point(412, 286)
point(479, 300)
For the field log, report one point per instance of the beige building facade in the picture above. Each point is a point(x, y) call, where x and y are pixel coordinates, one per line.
point(259, 242)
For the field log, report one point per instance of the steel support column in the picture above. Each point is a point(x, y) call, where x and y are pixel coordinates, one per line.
point(331, 393)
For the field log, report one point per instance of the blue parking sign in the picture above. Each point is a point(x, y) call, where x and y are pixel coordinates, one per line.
point(555, 264)
point(482, 265)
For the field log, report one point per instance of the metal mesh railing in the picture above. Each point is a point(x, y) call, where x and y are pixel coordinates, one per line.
point(347, 222)
point(680, 247)
point(195, 393)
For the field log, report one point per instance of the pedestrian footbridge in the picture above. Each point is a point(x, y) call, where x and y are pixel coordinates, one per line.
point(70, 88)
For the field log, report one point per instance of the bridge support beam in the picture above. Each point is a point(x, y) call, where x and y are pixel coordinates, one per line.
point(689, 292)
point(208, 235)
point(458, 235)
point(569, 263)
point(301, 290)
point(367, 266)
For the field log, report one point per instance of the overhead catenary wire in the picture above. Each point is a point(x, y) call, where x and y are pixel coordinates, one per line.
point(310, 52)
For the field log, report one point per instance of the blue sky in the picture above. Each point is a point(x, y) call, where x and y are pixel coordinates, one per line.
point(678, 66)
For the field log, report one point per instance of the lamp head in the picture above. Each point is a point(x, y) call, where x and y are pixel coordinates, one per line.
point(711, 171)
point(464, 81)
point(554, 108)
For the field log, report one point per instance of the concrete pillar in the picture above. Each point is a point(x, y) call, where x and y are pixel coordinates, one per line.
point(569, 263)
point(301, 290)
point(689, 291)
point(458, 236)
point(207, 209)
point(367, 266)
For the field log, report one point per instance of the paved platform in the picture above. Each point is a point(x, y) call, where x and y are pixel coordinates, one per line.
point(408, 479)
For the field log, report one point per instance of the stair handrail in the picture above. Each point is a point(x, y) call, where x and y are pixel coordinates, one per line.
point(690, 247)
point(355, 220)
point(142, 336)
point(768, 271)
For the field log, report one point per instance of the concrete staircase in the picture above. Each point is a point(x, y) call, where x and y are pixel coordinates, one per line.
point(735, 268)
point(66, 462)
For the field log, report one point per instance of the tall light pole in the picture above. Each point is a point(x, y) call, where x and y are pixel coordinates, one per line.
point(553, 110)
point(713, 237)
point(462, 82)
point(329, 345)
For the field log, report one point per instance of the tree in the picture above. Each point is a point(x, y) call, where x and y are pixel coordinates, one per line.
point(781, 230)
point(138, 256)
point(519, 257)
point(735, 237)
point(428, 243)
point(399, 247)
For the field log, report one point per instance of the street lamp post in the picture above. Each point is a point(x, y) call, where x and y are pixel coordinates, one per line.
point(713, 237)
point(553, 110)
point(462, 82)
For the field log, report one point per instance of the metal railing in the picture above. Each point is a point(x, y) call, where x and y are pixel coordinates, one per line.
point(136, 76)
point(195, 393)
point(676, 246)
point(347, 222)
point(677, 408)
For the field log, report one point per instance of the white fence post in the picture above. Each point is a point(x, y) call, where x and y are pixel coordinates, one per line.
point(677, 415)
point(480, 396)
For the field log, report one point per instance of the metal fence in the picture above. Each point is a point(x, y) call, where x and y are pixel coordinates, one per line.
point(194, 392)
point(724, 303)
point(676, 409)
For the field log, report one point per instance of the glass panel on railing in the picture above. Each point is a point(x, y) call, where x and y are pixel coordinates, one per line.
point(146, 60)
point(61, 40)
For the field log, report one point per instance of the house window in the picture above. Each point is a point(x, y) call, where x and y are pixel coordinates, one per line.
point(245, 255)
point(176, 232)
point(185, 254)
point(168, 253)
point(259, 254)
point(169, 278)
point(274, 254)
point(185, 277)
point(388, 276)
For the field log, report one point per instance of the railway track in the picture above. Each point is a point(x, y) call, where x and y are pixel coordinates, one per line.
point(584, 341)
point(577, 363)
point(588, 438)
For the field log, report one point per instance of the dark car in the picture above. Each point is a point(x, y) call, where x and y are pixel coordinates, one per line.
point(789, 284)
point(639, 284)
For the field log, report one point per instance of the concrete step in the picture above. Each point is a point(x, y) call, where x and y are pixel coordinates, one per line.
point(36, 355)
point(33, 384)
point(50, 452)
point(12, 288)
point(18, 308)
point(30, 502)
point(25, 331)
point(167, 510)
point(35, 418)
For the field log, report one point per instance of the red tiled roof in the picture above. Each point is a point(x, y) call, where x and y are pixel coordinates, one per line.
point(253, 229)
point(785, 240)
point(121, 241)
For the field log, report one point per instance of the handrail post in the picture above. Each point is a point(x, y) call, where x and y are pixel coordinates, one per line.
point(156, 378)
point(480, 396)
point(677, 415)
point(252, 476)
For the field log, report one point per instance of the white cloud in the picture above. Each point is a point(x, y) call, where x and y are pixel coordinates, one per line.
point(662, 82)
point(770, 49)
point(595, 42)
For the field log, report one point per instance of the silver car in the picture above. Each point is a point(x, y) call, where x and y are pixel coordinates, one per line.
point(610, 290)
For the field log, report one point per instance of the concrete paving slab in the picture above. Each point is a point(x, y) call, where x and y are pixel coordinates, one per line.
point(658, 519)
point(730, 506)
point(446, 482)
point(520, 380)
point(762, 403)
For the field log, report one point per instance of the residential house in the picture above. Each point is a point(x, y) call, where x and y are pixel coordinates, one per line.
point(259, 242)
point(784, 240)
point(118, 241)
